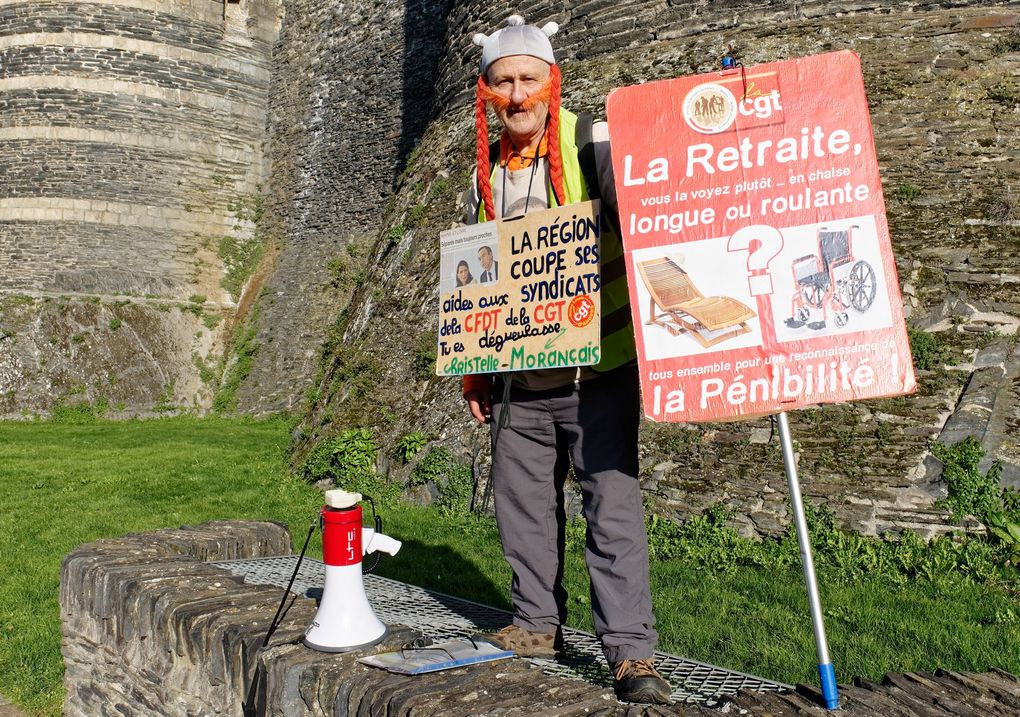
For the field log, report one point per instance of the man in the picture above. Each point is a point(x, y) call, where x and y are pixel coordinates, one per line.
point(490, 268)
point(545, 420)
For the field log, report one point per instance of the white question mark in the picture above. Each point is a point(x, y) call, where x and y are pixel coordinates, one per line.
point(770, 243)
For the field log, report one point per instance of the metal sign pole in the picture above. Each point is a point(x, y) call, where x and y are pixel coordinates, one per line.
point(826, 672)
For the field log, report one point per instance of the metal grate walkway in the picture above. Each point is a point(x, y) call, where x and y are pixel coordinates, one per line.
point(442, 617)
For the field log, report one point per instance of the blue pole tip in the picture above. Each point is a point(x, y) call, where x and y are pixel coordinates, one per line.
point(827, 677)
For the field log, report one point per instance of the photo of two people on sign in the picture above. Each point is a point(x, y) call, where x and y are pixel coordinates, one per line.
point(473, 264)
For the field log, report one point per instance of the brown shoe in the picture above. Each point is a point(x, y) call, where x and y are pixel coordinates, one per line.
point(637, 681)
point(524, 642)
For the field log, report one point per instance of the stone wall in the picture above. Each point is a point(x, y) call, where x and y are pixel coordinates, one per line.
point(117, 357)
point(353, 90)
point(148, 628)
point(355, 85)
point(593, 28)
point(943, 90)
point(139, 116)
point(131, 141)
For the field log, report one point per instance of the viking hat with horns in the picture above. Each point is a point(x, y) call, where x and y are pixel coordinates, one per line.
point(517, 38)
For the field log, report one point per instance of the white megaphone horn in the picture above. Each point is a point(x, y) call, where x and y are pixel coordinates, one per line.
point(345, 620)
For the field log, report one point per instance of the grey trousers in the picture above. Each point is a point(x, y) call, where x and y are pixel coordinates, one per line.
point(594, 425)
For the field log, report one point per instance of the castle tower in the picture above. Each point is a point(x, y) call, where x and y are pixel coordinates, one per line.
point(125, 128)
point(131, 137)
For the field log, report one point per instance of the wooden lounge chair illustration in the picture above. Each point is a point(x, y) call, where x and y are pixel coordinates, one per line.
point(685, 309)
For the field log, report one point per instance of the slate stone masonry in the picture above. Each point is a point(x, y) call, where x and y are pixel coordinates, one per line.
point(150, 628)
point(353, 90)
point(352, 84)
point(131, 144)
point(126, 129)
point(939, 79)
point(157, 108)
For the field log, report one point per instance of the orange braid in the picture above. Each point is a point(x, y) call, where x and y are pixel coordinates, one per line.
point(555, 159)
point(482, 149)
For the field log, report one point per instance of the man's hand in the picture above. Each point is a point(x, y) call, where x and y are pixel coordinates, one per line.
point(480, 404)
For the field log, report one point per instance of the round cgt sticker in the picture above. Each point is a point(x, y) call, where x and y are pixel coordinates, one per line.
point(581, 311)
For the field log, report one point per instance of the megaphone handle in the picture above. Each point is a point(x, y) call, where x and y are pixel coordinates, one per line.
point(378, 531)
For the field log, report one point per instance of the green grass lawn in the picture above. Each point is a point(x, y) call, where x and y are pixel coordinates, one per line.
point(62, 485)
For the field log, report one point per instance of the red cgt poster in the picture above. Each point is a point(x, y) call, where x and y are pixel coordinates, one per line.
point(758, 257)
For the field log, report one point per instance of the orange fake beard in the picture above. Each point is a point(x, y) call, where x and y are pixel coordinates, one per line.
point(502, 104)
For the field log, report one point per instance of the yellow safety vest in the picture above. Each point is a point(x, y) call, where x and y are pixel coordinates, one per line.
point(617, 326)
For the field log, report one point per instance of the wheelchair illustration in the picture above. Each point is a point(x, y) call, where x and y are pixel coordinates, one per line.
point(832, 281)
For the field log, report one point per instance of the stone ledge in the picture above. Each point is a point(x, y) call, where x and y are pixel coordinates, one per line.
point(149, 628)
point(195, 11)
point(189, 144)
point(194, 100)
point(100, 211)
point(251, 68)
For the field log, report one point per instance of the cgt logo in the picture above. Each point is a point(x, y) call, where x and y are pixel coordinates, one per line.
point(761, 107)
point(713, 107)
point(710, 108)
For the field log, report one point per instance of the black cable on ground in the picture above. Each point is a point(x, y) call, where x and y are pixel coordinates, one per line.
point(248, 706)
